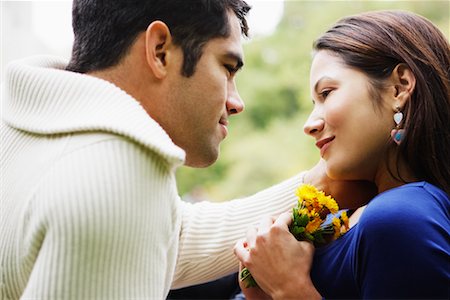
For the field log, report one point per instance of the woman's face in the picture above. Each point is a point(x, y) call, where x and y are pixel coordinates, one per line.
point(351, 128)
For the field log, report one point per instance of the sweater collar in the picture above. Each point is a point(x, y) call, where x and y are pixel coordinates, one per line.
point(42, 98)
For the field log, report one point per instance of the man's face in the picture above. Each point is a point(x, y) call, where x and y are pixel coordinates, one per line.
point(201, 104)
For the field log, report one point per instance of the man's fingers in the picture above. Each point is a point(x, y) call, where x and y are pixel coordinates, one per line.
point(284, 220)
point(241, 250)
point(265, 224)
point(251, 235)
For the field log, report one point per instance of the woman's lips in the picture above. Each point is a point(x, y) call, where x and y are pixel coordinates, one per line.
point(323, 145)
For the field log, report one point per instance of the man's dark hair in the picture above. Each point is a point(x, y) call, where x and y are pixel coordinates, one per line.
point(105, 30)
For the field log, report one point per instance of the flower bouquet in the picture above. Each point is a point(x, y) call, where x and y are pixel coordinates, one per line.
point(308, 223)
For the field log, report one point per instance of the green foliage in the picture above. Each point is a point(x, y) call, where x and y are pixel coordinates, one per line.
point(266, 142)
point(274, 102)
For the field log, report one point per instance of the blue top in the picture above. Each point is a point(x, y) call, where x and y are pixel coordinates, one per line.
point(400, 248)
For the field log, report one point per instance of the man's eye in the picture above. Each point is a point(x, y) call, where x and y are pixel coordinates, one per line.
point(231, 69)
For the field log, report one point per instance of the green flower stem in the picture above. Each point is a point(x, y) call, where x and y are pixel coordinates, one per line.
point(246, 277)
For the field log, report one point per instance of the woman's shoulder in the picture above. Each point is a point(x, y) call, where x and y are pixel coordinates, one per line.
point(417, 195)
point(413, 203)
point(402, 242)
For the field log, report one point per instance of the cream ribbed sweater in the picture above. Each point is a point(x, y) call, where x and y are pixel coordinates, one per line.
point(89, 204)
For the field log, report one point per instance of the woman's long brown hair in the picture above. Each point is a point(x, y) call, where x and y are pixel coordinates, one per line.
point(375, 43)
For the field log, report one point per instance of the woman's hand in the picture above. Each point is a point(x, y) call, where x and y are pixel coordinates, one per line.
point(277, 261)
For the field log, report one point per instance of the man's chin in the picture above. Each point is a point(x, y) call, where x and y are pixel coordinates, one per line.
point(202, 160)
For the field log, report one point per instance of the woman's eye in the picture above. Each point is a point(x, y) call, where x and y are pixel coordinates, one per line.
point(324, 94)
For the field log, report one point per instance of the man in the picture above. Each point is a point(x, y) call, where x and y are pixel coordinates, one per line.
point(90, 207)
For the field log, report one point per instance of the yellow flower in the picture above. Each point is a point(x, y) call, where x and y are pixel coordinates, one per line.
point(303, 211)
point(331, 204)
point(306, 192)
point(337, 227)
point(308, 220)
point(313, 225)
point(312, 204)
point(344, 218)
point(318, 204)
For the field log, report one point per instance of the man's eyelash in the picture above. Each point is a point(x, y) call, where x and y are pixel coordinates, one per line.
point(231, 69)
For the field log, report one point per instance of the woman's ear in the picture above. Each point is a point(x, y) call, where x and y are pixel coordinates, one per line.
point(157, 43)
point(404, 82)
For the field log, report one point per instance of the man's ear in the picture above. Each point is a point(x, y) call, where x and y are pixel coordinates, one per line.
point(404, 82)
point(157, 43)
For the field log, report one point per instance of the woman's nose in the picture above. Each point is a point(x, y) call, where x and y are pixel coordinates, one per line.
point(313, 125)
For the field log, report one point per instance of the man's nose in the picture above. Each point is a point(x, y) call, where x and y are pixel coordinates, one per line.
point(234, 104)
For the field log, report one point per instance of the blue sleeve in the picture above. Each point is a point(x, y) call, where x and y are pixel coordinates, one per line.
point(404, 249)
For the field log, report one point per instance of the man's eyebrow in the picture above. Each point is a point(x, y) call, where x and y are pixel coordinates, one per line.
point(236, 57)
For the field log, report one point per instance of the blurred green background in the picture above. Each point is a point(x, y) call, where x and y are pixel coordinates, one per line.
point(266, 143)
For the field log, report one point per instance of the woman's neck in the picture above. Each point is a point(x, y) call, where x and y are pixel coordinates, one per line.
point(393, 174)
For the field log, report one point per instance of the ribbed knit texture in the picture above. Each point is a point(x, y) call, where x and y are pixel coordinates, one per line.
point(89, 206)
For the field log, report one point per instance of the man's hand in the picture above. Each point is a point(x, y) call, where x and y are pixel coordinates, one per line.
point(278, 262)
point(348, 194)
point(251, 293)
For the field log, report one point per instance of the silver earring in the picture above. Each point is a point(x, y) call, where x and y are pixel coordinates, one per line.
point(397, 133)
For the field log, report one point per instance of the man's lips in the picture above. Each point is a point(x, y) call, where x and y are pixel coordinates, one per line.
point(224, 123)
point(322, 144)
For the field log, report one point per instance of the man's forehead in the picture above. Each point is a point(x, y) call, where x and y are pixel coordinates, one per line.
point(228, 47)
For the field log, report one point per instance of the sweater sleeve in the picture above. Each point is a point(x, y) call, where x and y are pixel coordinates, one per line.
point(101, 226)
point(404, 250)
point(210, 230)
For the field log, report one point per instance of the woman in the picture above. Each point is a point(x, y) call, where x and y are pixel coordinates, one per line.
point(380, 87)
